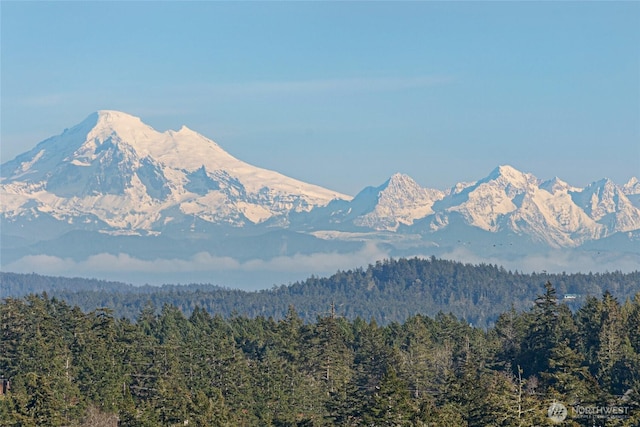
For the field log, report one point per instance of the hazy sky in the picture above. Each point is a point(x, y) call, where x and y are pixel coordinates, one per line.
point(342, 94)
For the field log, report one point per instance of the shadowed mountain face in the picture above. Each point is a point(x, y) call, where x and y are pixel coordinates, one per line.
point(114, 175)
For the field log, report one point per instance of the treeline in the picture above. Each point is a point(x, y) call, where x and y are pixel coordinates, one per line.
point(72, 368)
point(389, 291)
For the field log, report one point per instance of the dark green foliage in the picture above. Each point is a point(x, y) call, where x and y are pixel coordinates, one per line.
point(73, 368)
point(542, 332)
point(388, 291)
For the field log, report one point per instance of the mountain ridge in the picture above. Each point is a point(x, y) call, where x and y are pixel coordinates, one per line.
point(115, 175)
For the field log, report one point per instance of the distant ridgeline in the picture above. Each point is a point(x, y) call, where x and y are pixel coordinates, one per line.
point(389, 291)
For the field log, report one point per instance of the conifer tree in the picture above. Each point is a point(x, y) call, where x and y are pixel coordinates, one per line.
point(541, 333)
point(391, 403)
point(610, 354)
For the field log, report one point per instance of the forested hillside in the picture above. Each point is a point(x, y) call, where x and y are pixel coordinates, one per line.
point(387, 291)
point(67, 367)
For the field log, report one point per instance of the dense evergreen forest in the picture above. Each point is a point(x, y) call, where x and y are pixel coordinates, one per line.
point(534, 367)
point(388, 291)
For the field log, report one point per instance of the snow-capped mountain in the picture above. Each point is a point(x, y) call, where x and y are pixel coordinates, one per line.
point(398, 201)
point(113, 185)
point(505, 201)
point(112, 169)
point(632, 190)
point(607, 203)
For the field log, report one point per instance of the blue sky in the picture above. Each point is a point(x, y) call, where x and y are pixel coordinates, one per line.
point(342, 94)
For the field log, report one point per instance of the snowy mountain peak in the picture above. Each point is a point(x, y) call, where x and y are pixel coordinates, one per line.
point(400, 182)
point(186, 130)
point(114, 116)
point(606, 203)
point(400, 200)
point(632, 186)
point(107, 123)
point(510, 175)
point(556, 185)
point(401, 188)
point(492, 198)
point(598, 198)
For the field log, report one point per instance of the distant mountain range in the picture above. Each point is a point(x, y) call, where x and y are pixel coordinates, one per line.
point(113, 185)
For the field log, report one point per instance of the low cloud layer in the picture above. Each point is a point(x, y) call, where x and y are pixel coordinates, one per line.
point(555, 261)
point(201, 268)
point(262, 274)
